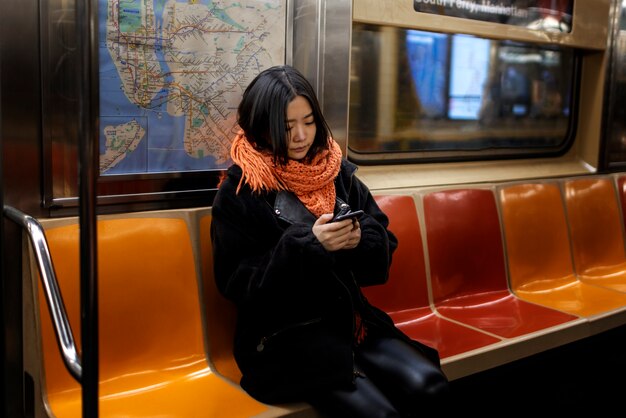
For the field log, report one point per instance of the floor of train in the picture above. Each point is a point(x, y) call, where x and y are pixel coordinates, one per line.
point(589, 373)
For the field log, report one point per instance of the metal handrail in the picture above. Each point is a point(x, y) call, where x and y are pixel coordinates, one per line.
point(62, 328)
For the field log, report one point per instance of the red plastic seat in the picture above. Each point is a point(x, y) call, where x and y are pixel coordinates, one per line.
point(468, 275)
point(596, 230)
point(405, 296)
point(538, 250)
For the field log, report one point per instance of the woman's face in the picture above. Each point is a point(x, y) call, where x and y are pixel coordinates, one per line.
point(301, 128)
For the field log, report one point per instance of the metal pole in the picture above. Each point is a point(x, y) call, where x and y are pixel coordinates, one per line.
point(86, 24)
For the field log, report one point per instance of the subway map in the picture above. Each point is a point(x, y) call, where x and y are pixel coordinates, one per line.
point(171, 77)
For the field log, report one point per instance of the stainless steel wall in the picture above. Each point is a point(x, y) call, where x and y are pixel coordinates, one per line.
point(321, 50)
point(20, 139)
point(21, 104)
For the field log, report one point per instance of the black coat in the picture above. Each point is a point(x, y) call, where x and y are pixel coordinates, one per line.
point(296, 301)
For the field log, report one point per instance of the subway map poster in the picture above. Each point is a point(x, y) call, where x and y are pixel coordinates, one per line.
point(171, 76)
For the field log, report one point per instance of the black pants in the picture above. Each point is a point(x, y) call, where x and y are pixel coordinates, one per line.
point(394, 380)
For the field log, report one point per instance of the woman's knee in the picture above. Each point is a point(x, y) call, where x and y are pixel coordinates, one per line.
point(402, 366)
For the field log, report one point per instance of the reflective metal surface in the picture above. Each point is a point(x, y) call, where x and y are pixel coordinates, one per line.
point(321, 41)
point(615, 116)
point(62, 328)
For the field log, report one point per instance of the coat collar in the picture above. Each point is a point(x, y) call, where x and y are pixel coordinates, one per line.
point(289, 208)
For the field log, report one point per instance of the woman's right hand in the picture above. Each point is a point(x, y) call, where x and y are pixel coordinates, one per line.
point(336, 236)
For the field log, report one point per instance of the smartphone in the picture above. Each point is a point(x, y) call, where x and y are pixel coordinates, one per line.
point(341, 216)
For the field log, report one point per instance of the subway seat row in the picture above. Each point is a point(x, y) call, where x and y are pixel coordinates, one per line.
point(487, 274)
point(506, 270)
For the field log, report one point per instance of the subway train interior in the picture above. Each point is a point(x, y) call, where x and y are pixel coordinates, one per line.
point(492, 133)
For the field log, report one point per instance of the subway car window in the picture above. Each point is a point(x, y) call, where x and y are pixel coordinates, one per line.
point(423, 96)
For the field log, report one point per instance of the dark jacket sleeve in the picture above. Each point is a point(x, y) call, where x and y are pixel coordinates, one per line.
point(251, 253)
point(371, 259)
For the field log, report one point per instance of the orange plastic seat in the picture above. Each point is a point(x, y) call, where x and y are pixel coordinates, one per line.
point(221, 313)
point(468, 275)
point(538, 251)
point(405, 295)
point(151, 345)
point(220, 320)
point(596, 230)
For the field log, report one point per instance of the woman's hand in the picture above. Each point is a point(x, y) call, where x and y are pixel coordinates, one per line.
point(334, 236)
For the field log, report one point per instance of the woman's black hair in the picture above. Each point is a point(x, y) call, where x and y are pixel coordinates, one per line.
point(262, 112)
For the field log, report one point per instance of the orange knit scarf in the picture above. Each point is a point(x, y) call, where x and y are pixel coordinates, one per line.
point(312, 183)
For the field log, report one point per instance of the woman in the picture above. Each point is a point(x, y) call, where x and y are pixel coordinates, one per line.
point(305, 332)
